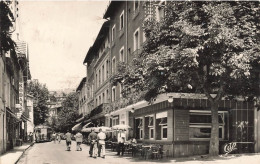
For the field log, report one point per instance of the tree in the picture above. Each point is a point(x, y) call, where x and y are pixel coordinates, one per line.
point(6, 19)
point(200, 47)
point(41, 96)
point(69, 114)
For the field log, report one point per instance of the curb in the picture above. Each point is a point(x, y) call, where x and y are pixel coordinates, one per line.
point(23, 153)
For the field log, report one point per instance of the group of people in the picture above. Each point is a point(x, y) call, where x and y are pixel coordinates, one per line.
point(56, 137)
point(78, 138)
point(97, 144)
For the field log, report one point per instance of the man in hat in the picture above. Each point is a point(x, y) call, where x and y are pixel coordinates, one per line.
point(101, 143)
point(92, 137)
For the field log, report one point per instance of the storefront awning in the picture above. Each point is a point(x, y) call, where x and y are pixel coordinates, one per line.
point(77, 127)
point(12, 114)
point(87, 125)
point(80, 119)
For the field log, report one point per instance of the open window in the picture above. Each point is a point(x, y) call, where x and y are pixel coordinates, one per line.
point(163, 121)
point(151, 122)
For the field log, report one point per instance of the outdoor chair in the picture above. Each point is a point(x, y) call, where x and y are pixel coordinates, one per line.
point(155, 152)
point(128, 148)
point(137, 149)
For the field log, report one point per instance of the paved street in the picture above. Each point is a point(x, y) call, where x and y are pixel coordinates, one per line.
point(50, 153)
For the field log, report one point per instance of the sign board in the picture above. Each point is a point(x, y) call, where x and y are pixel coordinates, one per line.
point(21, 99)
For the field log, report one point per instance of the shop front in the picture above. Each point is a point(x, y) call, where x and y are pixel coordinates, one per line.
point(183, 127)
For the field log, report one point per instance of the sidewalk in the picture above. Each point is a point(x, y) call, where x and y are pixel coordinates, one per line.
point(12, 156)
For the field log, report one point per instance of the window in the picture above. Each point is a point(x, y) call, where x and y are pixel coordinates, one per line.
point(113, 33)
point(103, 73)
point(113, 64)
point(151, 133)
point(160, 10)
point(122, 20)
point(144, 37)
point(100, 100)
point(107, 68)
point(136, 5)
point(164, 132)
point(148, 9)
point(99, 77)
point(103, 97)
point(200, 124)
point(113, 93)
point(150, 122)
point(120, 90)
point(115, 120)
point(141, 133)
point(136, 40)
point(121, 54)
point(96, 80)
point(107, 96)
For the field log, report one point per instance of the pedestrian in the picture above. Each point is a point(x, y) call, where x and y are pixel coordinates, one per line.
point(79, 138)
point(54, 137)
point(101, 143)
point(68, 140)
point(92, 137)
point(59, 137)
point(121, 141)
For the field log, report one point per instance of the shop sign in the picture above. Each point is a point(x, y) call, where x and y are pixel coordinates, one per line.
point(21, 99)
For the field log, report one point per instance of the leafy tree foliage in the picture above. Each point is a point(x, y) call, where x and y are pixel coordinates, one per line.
point(69, 114)
point(6, 18)
point(202, 47)
point(40, 94)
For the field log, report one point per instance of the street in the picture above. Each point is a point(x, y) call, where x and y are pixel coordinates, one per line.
point(51, 153)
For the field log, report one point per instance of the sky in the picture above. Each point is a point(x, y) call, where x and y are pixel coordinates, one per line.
point(59, 34)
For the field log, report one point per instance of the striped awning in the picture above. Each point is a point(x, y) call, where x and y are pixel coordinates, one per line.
point(87, 125)
point(77, 127)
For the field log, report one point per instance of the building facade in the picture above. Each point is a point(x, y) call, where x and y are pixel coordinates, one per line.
point(181, 123)
point(14, 73)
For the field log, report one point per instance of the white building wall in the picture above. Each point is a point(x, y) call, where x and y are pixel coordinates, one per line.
point(30, 123)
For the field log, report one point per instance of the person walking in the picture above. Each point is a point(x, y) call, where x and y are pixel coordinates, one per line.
point(121, 141)
point(54, 137)
point(101, 143)
point(79, 138)
point(92, 137)
point(58, 137)
point(68, 140)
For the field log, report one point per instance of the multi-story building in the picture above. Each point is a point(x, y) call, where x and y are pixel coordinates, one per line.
point(178, 121)
point(14, 73)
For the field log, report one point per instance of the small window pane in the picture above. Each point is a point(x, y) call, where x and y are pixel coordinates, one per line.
point(151, 132)
point(164, 133)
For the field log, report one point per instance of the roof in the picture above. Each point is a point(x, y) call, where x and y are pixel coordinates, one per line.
point(81, 84)
point(103, 32)
point(111, 8)
point(21, 48)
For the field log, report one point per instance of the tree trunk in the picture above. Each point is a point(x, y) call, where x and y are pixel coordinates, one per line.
point(214, 139)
